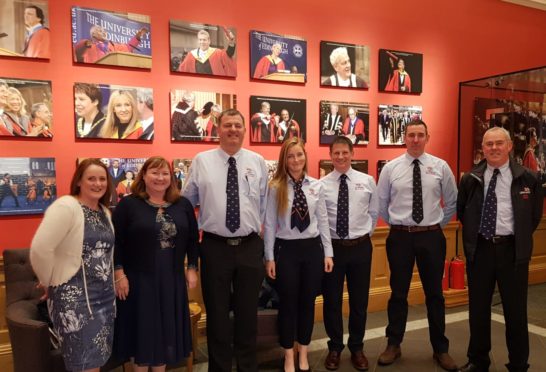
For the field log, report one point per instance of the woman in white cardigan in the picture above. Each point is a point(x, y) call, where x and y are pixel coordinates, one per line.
point(71, 255)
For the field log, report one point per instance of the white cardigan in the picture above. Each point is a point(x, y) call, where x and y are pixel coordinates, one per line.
point(57, 247)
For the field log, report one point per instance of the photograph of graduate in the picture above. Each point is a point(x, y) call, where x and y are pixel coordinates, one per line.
point(194, 115)
point(24, 28)
point(27, 185)
point(113, 112)
point(392, 121)
point(203, 49)
point(344, 65)
point(25, 108)
point(181, 168)
point(400, 72)
point(275, 120)
point(348, 119)
point(111, 38)
point(326, 166)
point(278, 57)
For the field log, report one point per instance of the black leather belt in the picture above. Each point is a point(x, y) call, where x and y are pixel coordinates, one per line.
point(412, 229)
point(499, 239)
point(233, 241)
point(350, 242)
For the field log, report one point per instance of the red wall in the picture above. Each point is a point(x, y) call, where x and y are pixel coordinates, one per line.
point(460, 40)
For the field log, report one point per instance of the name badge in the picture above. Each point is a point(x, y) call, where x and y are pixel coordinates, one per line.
point(359, 186)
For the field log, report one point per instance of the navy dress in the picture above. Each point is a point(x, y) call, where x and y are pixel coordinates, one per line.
point(153, 323)
point(85, 325)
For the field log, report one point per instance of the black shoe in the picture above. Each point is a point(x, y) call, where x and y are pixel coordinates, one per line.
point(471, 367)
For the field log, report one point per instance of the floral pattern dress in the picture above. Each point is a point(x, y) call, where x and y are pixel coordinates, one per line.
point(83, 309)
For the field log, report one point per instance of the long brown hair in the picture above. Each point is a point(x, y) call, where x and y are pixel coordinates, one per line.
point(280, 179)
point(138, 187)
point(78, 174)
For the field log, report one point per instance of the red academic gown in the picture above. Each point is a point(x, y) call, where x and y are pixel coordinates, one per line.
point(4, 131)
point(529, 160)
point(262, 67)
point(93, 53)
point(220, 62)
point(292, 132)
point(38, 44)
point(394, 82)
point(256, 128)
point(359, 127)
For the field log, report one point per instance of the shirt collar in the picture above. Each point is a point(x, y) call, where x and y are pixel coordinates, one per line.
point(225, 156)
point(421, 158)
point(305, 180)
point(337, 174)
point(502, 169)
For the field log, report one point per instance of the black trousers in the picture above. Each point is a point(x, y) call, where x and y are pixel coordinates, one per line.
point(428, 249)
point(299, 268)
point(353, 262)
point(226, 269)
point(495, 263)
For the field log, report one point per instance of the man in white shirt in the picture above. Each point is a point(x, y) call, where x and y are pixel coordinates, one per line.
point(352, 205)
point(229, 183)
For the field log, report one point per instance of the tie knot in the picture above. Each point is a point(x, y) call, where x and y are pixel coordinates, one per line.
point(232, 161)
point(343, 177)
point(496, 172)
point(416, 162)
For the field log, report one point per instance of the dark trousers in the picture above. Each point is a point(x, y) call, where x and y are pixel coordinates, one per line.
point(299, 268)
point(496, 263)
point(385, 132)
point(226, 268)
point(428, 249)
point(353, 262)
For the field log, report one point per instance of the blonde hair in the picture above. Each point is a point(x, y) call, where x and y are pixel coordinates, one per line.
point(280, 179)
point(110, 127)
point(15, 92)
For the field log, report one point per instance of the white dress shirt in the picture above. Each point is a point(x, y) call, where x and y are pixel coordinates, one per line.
point(278, 226)
point(395, 191)
point(363, 202)
point(206, 186)
point(505, 213)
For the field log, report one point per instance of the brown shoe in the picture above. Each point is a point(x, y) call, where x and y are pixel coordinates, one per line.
point(332, 360)
point(391, 353)
point(445, 361)
point(359, 361)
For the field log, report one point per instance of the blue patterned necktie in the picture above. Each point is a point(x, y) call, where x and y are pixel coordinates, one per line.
point(417, 207)
point(300, 211)
point(342, 222)
point(233, 216)
point(488, 224)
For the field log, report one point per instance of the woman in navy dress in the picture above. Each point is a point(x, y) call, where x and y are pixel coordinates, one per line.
point(155, 230)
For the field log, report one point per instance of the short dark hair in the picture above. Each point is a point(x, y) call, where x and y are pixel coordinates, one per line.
point(231, 112)
point(78, 174)
point(39, 12)
point(341, 140)
point(90, 90)
point(416, 122)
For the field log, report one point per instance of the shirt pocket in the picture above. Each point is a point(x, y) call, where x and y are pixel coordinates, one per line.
point(251, 186)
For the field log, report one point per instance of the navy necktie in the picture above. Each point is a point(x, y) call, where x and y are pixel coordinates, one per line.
point(233, 216)
point(417, 208)
point(342, 222)
point(488, 224)
point(300, 211)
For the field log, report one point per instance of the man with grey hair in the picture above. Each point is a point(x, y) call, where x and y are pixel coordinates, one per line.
point(344, 77)
point(208, 60)
point(499, 205)
point(40, 121)
point(145, 107)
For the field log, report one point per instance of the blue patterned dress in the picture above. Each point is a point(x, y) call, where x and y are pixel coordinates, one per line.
point(84, 322)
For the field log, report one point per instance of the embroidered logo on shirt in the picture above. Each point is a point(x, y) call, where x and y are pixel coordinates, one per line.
point(525, 193)
point(359, 186)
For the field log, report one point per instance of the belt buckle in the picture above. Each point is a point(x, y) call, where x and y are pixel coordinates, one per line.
point(234, 241)
point(409, 229)
point(496, 239)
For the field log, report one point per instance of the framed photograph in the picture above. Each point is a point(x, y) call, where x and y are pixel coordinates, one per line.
point(278, 57)
point(123, 172)
point(380, 165)
point(181, 168)
point(26, 108)
point(27, 185)
point(348, 119)
point(272, 166)
point(111, 38)
point(194, 115)
point(326, 166)
point(198, 48)
point(392, 120)
point(274, 120)
point(344, 65)
point(24, 30)
point(113, 112)
point(400, 72)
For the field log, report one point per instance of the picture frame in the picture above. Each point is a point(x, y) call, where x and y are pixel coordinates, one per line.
point(345, 66)
point(400, 72)
point(273, 120)
point(348, 119)
point(391, 122)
